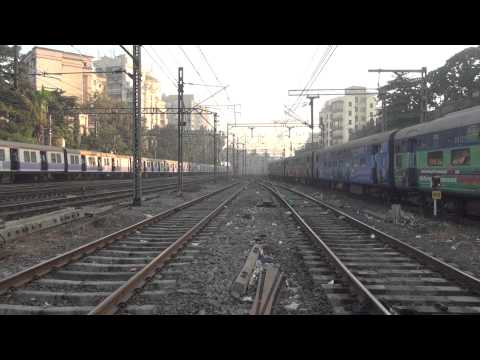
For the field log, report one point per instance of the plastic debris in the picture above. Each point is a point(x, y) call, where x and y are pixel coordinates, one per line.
point(274, 224)
point(293, 306)
point(247, 299)
point(228, 224)
point(331, 282)
point(143, 241)
point(418, 236)
point(280, 242)
point(372, 236)
point(148, 215)
point(288, 213)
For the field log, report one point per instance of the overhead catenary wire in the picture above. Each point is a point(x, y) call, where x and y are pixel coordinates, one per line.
point(211, 69)
point(193, 66)
point(161, 67)
point(314, 75)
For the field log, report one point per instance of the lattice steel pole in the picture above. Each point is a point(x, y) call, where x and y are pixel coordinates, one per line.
point(215, 145)
point(180, 132)
point(137, 126)
point(228, 165)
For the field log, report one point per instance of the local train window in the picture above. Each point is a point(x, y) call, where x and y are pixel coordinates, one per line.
point(2, 155)
point(59, 158)
point(362, 161)
point(53, 158)
point(436, 140)
point(398, 161)
point(33, 157)
point(26, 156)
point(72, 159)
point(461, 157)
point(435, 158)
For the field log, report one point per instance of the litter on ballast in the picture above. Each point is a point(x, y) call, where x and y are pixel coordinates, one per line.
point(331, 282)
point(280, 242)
point(228, 224)
point(372, 236)
point(247, 299)
point(274, 224)
point(288, 213)
point(293, 306)
point(418, 236)
point(148, 215)
point(143, 241)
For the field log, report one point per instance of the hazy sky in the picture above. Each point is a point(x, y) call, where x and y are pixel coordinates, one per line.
point(259, 76)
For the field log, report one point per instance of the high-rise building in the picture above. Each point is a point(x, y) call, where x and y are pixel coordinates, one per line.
point(171, 101)
point(344, 115)
point(120, 87)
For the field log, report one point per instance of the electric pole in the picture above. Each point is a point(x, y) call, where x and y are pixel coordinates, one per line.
point(180, 132)
point(137, 126)
point(215, 145)
point(228, 165)
point(311, 123)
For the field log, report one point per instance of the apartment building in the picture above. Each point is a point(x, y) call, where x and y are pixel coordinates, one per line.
point(343, 115)
point(171, 101)
point(68, 68)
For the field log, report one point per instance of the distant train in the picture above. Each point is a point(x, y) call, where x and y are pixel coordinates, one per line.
point(19, 161)
point(402, 163)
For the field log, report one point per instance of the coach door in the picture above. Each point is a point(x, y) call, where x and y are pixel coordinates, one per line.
point(15, 163)
point(412, 163)
point(99, 163)
point(84, 163)
point(43, 161)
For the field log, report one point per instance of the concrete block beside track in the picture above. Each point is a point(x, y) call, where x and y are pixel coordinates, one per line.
point(17, 228)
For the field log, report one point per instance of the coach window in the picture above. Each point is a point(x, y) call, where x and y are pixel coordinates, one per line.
point(59, 158)
point(435, 158)
point(26, 156)
point(461, 157)
point(2, 155)
point(72, 159)
point(53, 158)
point(33, 157)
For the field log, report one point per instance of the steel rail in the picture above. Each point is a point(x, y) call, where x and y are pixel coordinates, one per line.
point(112, 303)
point(360, 290)
point(36, 271)
point(448, 270)
point(42, 206)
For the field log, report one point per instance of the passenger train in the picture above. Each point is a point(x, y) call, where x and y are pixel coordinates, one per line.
point(402, 163)
point(19, 161)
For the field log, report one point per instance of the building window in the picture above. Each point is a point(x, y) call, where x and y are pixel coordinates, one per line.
point(349, 113)
point(349, 103)
point(2, 155)
point(356, 117)
point(460, 157)
point(356, 99)
point(349, 122)
point(371, 114)
point(435, 158)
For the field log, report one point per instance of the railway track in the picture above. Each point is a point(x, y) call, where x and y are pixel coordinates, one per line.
point(99, 277)
point(364, 270)
point(23, 192)
point(30, 208)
